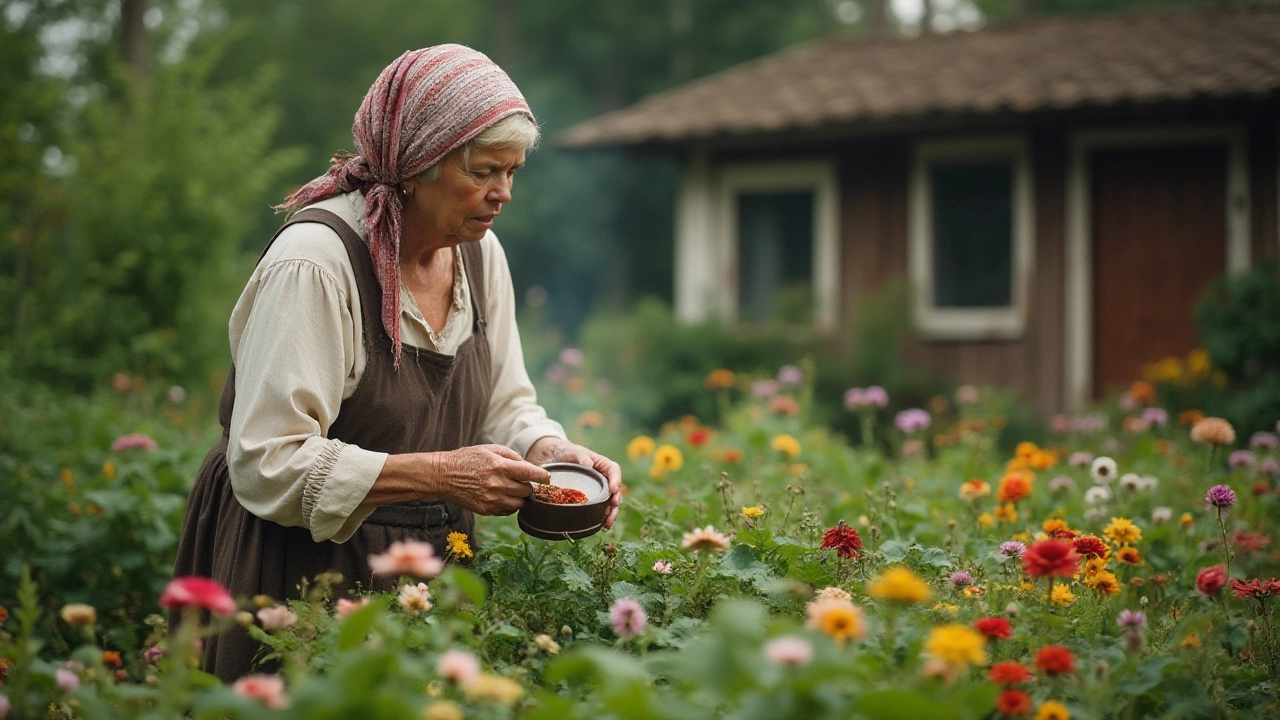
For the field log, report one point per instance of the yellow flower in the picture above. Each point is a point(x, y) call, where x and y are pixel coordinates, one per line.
point(949, 608)
point(974, 489)
point(957, 645)
point(837, 617)
point(1043, 460)
point(1054, 524)
point(1186, 520)
point(68, 480)
point(973, 591)
point(458, 546)
point(1052, 710)
point(668, 458)
point(1062, 596)
point(657, 473)
point(1192, 640)
point(985, 520)
point(720, 379)
point(1026, 450)
point(1129, 556)
point(1198, 363)
point(899, 584)
point(752, 512)
point(493, 688)
point(639, 447)
point(787, 445)
point(442, 710)
point(77, 614)
point(1122, 531)
point(1007, 513)
point(1104, 582)
point(109, 469)
point(1095, 565)
point(1026, 586)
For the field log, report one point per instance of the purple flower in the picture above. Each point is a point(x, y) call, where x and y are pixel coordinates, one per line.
point(961, 579)
point(912, 420)
point(764, 389)
point(1264, 440)
point(1269, 467)
point(1080, 459)
point(1221, 497)
point(557, 374)
point(1012, 548)
point(153, 654)
point(4, 707)
point(1132, 619)
point(571, 357)
point(1061, 483)
point(790, 375)
point(854, 398)
point(1156, 416)
point(1241, 458)
point(67, 680)
point(628, 618)
point(128, 442)
point(875, 396)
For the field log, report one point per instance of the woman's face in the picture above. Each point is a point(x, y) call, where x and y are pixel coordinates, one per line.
point(462, 203)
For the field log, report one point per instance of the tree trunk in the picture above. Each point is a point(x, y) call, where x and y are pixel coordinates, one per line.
point(134, 35)
point(926, 20)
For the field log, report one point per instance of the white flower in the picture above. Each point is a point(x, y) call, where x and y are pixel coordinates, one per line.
point(1097, 494)
point(1150, 482)
point(1161, 515)
point(1103, 470)
point(415, 598)
point(1130, 482)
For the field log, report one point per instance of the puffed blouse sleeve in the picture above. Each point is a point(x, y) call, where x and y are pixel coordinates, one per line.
point(293, 339)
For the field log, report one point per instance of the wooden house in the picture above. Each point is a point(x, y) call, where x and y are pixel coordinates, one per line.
point(1057, 190)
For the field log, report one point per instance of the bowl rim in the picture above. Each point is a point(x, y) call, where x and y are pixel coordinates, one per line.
point(582, 469)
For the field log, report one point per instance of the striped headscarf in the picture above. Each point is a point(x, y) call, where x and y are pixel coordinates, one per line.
point(424, 105)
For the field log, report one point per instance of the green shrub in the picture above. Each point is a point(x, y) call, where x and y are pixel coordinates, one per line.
point(1239, 323)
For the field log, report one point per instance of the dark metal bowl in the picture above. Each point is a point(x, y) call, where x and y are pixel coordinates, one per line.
point(548, 521)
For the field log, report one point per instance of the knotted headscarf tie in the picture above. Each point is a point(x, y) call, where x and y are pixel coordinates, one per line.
point(423, 106)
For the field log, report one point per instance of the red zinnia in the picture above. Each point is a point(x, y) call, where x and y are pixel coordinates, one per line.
point(1013, 703)
point(1090, 546)
point(1211, 580)
point(844, 539)
point(1256, 589)
point(1051, 557)
point(1055, 660)
point(1009, 673)
point(198, 592)
point(995, 628)
point(699, 437)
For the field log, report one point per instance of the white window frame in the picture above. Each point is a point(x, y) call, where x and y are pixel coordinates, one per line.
point(1078, 325)
point(960, 324)
point(816, 176)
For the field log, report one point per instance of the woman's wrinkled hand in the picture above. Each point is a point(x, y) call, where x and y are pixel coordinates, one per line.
point(553, 449)
point(489, 479)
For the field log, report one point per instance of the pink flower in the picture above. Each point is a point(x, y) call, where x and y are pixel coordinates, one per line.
point(407, 557)
point(198, 592)
point(662, 567)
point(1211, 580)
point(346, 607)
point(4, 707)
point(267, 688)
point(278, 617)
point(128, 442)
point(628, 618)
point(459, 666)
point(571, 357)
point(66, 680)
point(789, 650)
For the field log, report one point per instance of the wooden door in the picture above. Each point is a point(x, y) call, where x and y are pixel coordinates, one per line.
point(1159, 237)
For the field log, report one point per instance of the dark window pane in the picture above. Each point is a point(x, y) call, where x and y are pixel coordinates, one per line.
point(775, 255)
point(972, 234)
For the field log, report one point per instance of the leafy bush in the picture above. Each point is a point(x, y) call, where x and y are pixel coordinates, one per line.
point(1239, 323)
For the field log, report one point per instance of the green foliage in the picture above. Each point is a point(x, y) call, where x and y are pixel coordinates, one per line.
point(1239, 324)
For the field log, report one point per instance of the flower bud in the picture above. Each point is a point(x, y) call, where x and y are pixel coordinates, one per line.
point(566, 631)
point(263, 601)
point(1101, 669)
point(1011, 609)
point(244, 619)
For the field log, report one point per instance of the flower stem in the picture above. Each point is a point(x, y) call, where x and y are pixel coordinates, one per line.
point(1226, 549)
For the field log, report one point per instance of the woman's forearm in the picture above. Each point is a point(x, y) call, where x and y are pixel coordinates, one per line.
point(408, 477)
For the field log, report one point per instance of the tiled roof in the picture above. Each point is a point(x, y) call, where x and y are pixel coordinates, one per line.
point(1023, 66)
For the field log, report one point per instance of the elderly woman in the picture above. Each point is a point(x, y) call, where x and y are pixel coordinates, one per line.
point(375, 349)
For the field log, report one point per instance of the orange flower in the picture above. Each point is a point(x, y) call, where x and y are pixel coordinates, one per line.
point(1051, 557)
point(1013, 703)
point(1014, 486)
point(784, 405)
point(720, 379)
point(111, 657)
point(732, 455)
point(590, 419)
point(1055, 660)
point(1142, 392)
point(1009, 673)
point(1190, 417)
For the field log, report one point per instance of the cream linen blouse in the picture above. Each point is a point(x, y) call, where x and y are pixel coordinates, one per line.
point(295, 340)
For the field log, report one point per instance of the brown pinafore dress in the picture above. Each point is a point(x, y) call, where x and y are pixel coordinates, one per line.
point(432, 402)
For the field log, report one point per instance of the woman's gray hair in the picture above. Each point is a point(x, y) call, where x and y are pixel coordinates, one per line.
point(517, 131)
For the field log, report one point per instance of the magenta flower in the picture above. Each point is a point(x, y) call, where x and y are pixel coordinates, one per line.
point(1156, 416)
point(764, 389)
point(875, 396)
point(66, 680)
point(1132, 619)
point(1264, 440)
point(854, 398)
point(961, 579)
point(134, 440)
point(1269, 467)
point(571, 357)
point(662, 567)
point(1012, 549)
point(628, 618)
point(1221, 497)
